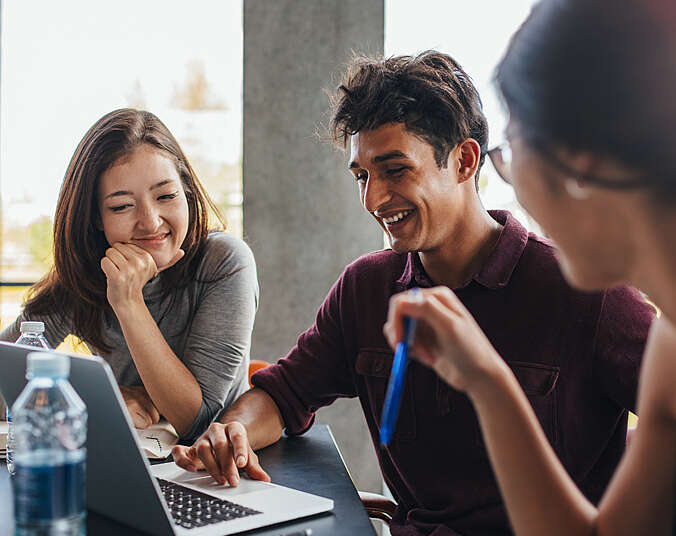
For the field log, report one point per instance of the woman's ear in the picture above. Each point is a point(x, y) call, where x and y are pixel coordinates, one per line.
point(576, 188)
point(584, 163)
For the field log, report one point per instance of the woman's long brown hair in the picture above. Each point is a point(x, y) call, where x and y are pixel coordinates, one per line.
point(75, 286)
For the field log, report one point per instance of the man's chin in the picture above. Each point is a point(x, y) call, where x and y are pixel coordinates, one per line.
point(398, 246)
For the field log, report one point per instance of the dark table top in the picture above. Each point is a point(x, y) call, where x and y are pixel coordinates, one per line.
point(309, 463)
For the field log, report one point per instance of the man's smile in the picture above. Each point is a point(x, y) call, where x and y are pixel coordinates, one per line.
point(395, 220)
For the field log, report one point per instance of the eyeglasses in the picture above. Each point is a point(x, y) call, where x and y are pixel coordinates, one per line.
point(501, 158)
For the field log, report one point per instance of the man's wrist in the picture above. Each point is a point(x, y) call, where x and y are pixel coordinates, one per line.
point(258, 413)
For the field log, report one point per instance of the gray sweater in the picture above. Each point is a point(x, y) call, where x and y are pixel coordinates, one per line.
point(218, 319)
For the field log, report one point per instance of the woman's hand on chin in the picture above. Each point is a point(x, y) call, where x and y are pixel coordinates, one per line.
point(128, 268)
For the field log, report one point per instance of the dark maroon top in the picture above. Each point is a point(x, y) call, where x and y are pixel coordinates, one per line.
point(575, 354)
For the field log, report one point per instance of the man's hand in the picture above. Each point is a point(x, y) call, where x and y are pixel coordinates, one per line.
point(222, 450)
point(142, 410)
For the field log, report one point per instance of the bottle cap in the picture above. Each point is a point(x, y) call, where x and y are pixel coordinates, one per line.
point(47, 365)
point(32, 327)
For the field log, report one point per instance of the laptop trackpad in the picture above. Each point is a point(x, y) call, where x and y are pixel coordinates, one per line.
point(202, 481)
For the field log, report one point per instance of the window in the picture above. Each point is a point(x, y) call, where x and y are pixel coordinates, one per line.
point(65, 64)
point(476, 35)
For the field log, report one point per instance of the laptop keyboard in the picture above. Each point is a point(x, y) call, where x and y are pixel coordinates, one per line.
point(191, 509)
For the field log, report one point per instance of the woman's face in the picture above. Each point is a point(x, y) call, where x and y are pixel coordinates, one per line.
point(591, 233)
point(141, 201)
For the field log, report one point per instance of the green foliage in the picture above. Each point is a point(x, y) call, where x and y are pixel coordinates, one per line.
point(40, 241)
point(223, 182)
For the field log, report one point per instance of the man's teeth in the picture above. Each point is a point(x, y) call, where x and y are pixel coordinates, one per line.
point(397, 217)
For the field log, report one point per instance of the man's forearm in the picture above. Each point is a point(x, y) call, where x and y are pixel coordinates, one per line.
point(259, 414)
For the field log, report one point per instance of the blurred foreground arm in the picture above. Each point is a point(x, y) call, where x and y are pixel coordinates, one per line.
point(540, 496)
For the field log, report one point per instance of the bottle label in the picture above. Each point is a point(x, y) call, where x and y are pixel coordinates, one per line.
point(48, 492)
point(32, 341)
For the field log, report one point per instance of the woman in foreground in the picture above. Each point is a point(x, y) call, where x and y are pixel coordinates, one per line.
point(590, 86)
point(140, 279)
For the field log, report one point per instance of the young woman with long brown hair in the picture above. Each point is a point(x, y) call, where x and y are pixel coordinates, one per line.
point(141, 280)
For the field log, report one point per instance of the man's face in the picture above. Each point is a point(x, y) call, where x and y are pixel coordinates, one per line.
point(401, 185)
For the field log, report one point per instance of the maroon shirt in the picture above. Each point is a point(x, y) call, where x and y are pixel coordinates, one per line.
point(575, 354)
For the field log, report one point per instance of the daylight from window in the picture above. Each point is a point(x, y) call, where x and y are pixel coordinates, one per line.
point(63, 70)
point(78, 60)
point(475, 34)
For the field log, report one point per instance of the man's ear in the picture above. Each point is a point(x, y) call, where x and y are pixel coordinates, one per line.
point(467, 156)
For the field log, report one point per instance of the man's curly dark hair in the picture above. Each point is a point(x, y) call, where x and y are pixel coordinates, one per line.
point(429, 93)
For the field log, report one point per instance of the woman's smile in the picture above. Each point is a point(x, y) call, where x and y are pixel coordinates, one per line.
point(158, 239)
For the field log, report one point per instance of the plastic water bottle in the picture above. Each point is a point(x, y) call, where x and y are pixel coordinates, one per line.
point(50, 430)
point(31, 335)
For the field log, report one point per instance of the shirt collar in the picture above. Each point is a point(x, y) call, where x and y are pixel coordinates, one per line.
point(499, 265)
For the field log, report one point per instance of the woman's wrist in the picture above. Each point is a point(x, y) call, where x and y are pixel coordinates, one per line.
point(130, 310)
point(494, 378)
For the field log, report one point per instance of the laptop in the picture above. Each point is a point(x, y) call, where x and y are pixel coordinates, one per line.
point(162, 499)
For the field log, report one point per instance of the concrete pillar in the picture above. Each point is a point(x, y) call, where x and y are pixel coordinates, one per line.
point(302, 215)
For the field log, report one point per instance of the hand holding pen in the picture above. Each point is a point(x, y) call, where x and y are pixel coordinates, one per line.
point(447, 337)
point(395, 387)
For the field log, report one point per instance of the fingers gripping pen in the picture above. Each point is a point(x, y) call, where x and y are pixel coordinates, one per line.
point(395, 387)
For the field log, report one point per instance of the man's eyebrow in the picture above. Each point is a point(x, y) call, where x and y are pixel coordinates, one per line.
point(388, 156)
point(119, 193)
point(381, 158)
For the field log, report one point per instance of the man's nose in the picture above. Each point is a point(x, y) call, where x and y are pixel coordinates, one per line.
point(374, 193)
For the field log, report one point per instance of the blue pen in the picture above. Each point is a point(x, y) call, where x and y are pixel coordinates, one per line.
point(395, 387)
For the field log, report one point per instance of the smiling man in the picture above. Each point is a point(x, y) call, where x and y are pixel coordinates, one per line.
point(417, 139)
point(423, 206)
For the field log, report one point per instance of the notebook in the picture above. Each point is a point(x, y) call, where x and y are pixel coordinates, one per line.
point(157, 440)
point(3, 438)
point(159, 500)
